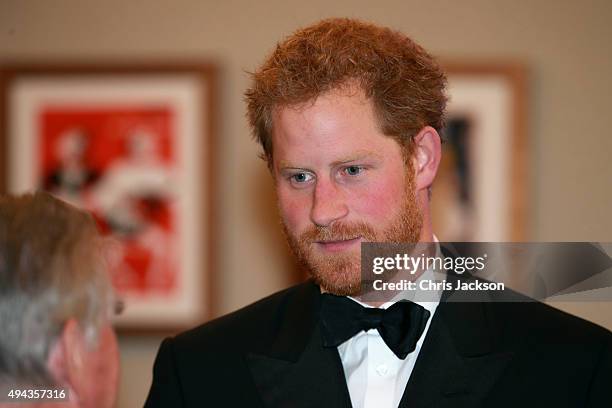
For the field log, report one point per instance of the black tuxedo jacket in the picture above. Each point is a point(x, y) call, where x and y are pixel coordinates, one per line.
point(475, 354)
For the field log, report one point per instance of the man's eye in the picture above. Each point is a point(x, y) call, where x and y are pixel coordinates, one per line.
point(118, 307)
point(353, 170)
point(301, 177)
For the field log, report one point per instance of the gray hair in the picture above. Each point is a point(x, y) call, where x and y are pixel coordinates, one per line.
point(52, 269)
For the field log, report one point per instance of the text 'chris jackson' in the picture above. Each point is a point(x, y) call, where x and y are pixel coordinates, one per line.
point(432, 285)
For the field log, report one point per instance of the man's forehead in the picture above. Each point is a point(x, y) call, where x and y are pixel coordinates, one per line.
point(348, 88)
point(327, 121)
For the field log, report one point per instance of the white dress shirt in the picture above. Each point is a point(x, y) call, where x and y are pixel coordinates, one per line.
point(375, 376)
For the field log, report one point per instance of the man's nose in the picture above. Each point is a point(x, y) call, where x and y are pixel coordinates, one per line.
point(328, 205)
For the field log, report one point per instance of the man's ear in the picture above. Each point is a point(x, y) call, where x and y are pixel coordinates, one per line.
point(67, 357)
point(426, 156)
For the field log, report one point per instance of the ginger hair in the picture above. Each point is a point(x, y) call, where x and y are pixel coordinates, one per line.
point(404, 83)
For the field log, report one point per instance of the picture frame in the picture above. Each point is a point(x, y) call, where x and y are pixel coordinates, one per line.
point(135, 146)
point(480, 192)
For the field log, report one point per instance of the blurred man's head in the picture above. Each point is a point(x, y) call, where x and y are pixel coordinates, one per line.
point(348, 114)
point(55, 301)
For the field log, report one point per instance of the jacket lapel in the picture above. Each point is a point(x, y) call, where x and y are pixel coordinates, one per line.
point(459, 361)
point(295, 370)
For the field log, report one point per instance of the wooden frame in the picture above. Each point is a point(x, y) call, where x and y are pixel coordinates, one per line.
point(491, 97)
point(162, 113)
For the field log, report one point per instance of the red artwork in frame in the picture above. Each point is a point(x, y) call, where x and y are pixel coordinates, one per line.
point(132, 145)
point(119, 164)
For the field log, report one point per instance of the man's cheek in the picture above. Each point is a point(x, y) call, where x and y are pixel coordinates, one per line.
point(294, 212)
point(378, 202)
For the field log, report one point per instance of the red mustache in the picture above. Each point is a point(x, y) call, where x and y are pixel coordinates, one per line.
point(338, 232)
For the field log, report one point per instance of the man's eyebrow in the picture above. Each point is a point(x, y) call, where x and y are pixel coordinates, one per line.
point(285, 165)
point(357, 157)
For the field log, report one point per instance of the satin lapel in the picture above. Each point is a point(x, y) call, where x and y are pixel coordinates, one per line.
point(459, 362)
point(296, 370)
point(316, 379)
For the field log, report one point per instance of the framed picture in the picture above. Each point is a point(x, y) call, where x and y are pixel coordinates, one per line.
point(134, 146)
point(480, 190)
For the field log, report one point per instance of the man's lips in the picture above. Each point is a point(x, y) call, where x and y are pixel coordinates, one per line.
point(339, 245)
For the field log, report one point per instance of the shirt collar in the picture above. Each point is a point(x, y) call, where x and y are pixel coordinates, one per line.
point(429, 300)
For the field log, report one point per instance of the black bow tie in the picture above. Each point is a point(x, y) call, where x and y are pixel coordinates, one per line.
point(400, 326)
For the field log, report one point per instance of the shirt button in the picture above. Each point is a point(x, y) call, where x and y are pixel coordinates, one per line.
point(382, 370)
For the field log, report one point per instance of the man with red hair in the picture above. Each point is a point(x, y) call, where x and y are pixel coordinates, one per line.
point(348, 115)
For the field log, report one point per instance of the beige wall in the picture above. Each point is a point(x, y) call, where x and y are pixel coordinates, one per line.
point(566, 45)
